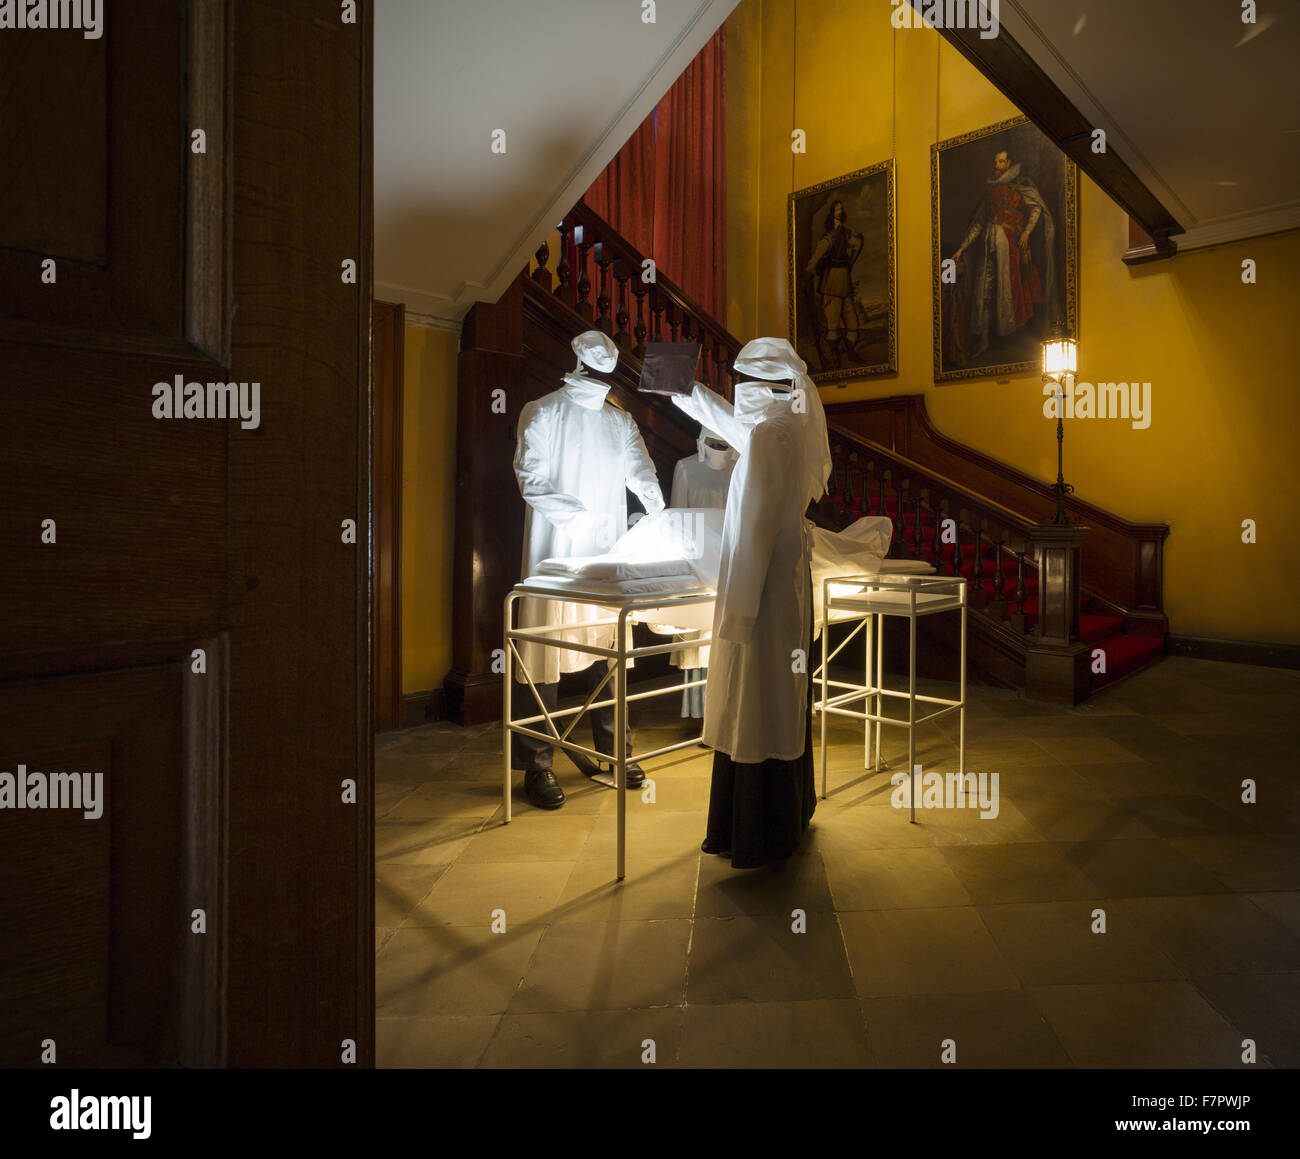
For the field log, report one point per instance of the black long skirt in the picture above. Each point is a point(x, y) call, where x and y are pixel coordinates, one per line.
point(760, 812)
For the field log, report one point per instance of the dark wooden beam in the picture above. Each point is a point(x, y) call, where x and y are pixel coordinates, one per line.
point(1017, 76)
point(1142, 247)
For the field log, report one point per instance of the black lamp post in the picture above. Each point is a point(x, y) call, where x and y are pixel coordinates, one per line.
point(1060, 363)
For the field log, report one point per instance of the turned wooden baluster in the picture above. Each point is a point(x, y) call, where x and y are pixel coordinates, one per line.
point(909, 533)
point(542, 275)
point(1017, 617)
point(863, 497)
point(940, 512)
point(979, 598)
point(886, 476)
point(918, 531)
point(656, 314)
point(622, 336)
point(998, 604)
point(720, 367)
point(671, 315)
point(899, 537)
point(639, 330)
point(604, 260)
point(704, 371)
point(583, 306)
point(959, 549)
point(563, 290)
point(852, 493)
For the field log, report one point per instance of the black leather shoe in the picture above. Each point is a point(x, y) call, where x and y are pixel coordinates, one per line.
point(542, 789)
point(709, 846)
point(635, 776)
point(589, 768)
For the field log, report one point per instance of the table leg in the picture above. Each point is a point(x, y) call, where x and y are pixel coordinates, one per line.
point(507, 682)
point(867, 700)
point(961, 712)
point(879, 623)
point(620, 763)
point(911, 709)
point(826, 640)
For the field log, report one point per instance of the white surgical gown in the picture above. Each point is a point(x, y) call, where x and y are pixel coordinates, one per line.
point(755, 705)
point(575, 458)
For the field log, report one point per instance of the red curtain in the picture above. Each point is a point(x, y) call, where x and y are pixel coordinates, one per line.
point(666, 190)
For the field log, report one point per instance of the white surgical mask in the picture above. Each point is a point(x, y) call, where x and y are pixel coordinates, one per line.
point(753, 400)
point(588, 392)
point(719, 458)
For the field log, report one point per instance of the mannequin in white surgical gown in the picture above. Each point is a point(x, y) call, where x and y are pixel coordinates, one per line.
point(700, 480)
point(757, 713)
point(575, 458)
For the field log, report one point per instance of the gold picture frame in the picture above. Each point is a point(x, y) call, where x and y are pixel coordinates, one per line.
point(991, 312)
point(843, 275)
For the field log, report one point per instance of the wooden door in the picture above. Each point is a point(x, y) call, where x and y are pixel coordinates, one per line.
point(388, 350)
point(185, 614)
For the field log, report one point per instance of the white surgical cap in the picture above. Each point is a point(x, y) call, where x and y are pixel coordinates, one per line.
point(774, 359)
point(597, 350)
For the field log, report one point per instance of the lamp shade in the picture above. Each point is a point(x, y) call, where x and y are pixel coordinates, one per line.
point(1060, 356)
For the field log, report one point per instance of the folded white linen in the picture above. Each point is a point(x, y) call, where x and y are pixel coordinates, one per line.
point(631, 588)
point(690, 534)
point(613, 568)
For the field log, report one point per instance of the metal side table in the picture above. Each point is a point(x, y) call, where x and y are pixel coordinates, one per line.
point(866, 598)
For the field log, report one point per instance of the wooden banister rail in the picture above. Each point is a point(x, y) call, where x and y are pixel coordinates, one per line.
point(1123, 564)
point(664, 312)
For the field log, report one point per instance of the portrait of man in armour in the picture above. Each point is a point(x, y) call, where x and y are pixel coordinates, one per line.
point(842, 309)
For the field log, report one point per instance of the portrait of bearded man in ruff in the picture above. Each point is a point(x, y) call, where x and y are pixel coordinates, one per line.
point(1005, 217)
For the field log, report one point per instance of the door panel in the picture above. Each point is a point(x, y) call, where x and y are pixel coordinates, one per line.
point(184, 614)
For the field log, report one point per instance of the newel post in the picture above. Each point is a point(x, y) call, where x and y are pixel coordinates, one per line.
point(1057, 665)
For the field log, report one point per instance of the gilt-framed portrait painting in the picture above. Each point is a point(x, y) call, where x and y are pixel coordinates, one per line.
point(842, 259)
point(1005, 210)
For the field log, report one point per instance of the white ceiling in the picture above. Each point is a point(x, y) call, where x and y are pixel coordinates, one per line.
point(568, 81)
point(1202, 107)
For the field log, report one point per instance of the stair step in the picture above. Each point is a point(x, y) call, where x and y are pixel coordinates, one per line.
point(1099, 628)
point(1125, 654)
point(1096, 629)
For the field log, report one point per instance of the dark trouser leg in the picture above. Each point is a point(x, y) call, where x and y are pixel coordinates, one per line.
point(602, 719)
point(527, 752)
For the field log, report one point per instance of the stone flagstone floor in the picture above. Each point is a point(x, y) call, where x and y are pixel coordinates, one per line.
point(957, 927)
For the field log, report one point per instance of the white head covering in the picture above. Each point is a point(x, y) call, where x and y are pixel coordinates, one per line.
point(597, 350)
point(775, 359)
point(717, 459)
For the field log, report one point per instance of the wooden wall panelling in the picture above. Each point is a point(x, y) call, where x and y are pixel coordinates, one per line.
point(174, 534)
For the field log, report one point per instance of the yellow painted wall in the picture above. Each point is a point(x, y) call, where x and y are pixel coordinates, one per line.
point(1221, 444)
point(428, 505)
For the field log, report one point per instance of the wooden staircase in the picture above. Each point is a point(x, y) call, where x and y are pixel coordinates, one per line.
point(978, 517)
point(961, 532)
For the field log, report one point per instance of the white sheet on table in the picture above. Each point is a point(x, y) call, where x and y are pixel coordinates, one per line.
point(611, 569)
point(631, 588)
point(690, 539)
